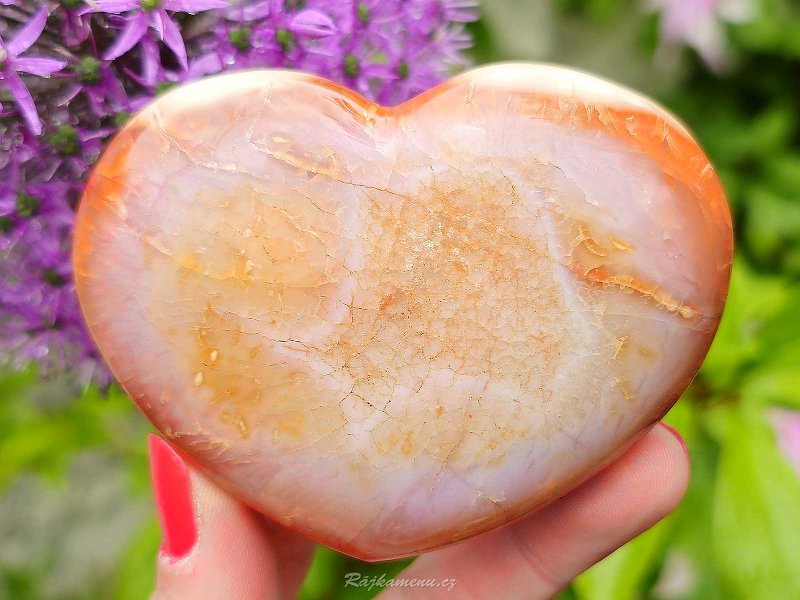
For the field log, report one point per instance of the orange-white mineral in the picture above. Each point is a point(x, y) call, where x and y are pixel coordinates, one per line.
point(393, 328)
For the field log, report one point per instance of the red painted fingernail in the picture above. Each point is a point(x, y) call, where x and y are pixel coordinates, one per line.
point(677, 436)
point(173, 493)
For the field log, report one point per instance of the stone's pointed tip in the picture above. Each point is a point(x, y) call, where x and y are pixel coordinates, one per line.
point(367, 322)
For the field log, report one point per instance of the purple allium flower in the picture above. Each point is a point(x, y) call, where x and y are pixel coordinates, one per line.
point(103, 91)
point(787, 432)
point(141, 15)
point(114, 56)
point(699, 24)
point(386, 49)
point(11, 64)
point(39, 315)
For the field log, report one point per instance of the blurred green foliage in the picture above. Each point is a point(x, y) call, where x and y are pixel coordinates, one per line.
point(76, 517)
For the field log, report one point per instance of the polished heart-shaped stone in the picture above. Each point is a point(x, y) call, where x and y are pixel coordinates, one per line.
point(393, 328)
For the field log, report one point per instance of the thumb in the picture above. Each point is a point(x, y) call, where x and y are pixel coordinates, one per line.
point(214, 546)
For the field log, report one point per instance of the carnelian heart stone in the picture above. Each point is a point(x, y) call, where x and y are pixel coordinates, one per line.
point(393, 328)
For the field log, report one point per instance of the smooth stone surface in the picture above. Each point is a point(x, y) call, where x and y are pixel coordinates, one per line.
point(391, 329)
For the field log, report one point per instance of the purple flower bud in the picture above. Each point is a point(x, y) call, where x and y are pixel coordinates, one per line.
point(787, 433)
point(700, 24)
point(313, 24)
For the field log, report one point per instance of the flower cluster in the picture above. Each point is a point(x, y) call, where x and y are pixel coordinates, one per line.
point(72, 71)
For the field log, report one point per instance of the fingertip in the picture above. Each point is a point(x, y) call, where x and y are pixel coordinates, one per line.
point(643, 486)
point(676, 434)
point(234, 552)
point(673, 462)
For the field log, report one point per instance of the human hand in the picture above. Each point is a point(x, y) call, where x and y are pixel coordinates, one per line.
point(217, 548)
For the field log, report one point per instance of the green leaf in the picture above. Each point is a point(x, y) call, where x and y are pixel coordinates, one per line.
point(773, 227)
point(136, 577)
point(777, 384)
point(733, 136)
point(784, 172)
point(775, 28)
point(754, 301)
point(756, 527)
